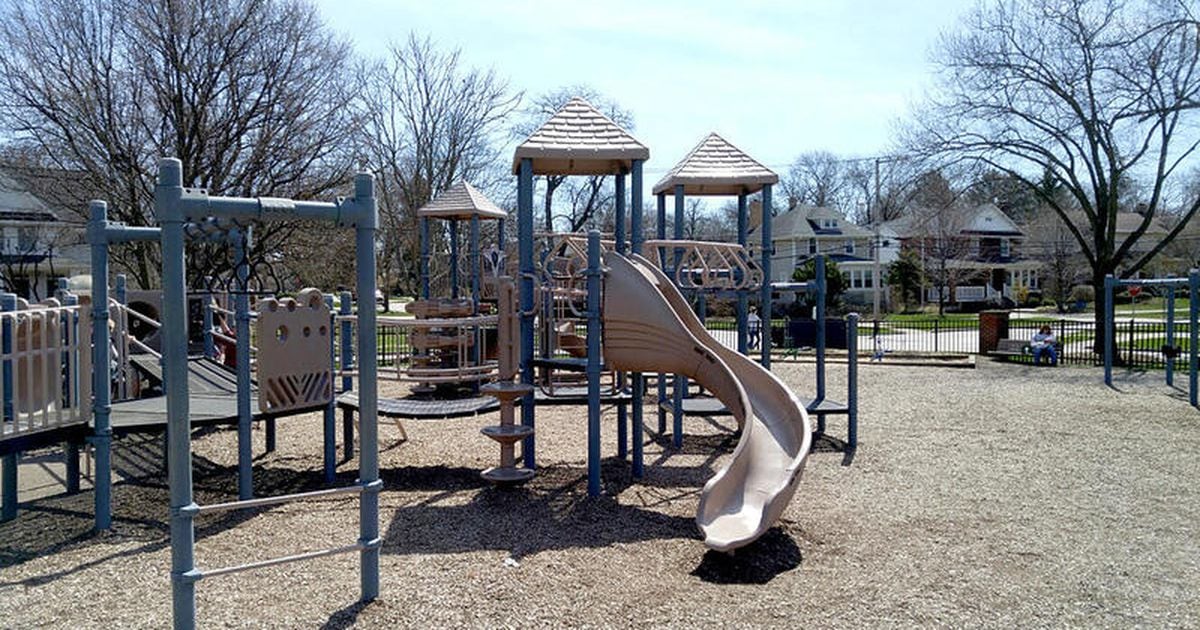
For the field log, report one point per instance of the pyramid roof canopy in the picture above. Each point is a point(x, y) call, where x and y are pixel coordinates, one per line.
point(461, 201)
point(579, 140)
point(716, 167)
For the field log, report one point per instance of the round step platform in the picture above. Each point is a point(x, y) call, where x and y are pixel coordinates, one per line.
point(502, 475)
point(507, 433)
point(506, 390)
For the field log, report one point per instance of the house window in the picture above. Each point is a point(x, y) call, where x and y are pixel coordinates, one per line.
point(849, 247)
point(27, 239)
point(855, 280)
point(1004, 248)
point(868, 279)
point(829, 224)
point(812, 246)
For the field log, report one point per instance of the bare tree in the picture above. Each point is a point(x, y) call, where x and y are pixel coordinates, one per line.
point(429, 121)
point(251, 95)
point(1096, 93)
point(938, 221)
point(584, 196)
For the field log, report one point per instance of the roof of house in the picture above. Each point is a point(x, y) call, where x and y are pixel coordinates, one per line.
point(461, 201)
point(17, 203)
point(579, 140)
point(985, 220)
point(716, 167)
point(804, 222)
point(1127, 222)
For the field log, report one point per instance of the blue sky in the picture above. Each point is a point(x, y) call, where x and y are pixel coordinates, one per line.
point(775, 78)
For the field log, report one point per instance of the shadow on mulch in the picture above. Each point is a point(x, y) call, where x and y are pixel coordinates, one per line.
point(825, 443)
point(552, 511)
point(757, 563)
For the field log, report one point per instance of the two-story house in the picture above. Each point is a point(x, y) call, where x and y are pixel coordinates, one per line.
point(804, 231)
point(970, 255)
point(38, 244)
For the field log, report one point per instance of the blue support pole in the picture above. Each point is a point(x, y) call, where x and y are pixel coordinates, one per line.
point(175, 383)
point(454, 258)
point(1109, 328)
point(743, 330)
point(681, 383)
point(8, 500)
point(121, 295)
point(619, 227)
point(424, 257)
point(71, 449)
point(476, 270)
point(525, 261)
point(819, 269)
point(622, 408)
point(594, 274)
point(347, 339)
point(852, 380)
point(101, 437)
point(767, 246)
point(1171, 335)
point(1194, 334)
point(241, 333)
point(329, 424)
point(639, 382)
point(368, 393)
point(661, 233)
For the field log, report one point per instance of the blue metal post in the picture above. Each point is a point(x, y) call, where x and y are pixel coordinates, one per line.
point(175, 383)
point(454, 258)
point(71, 449)
point(329, 454)
point(1171, 334)
point(476, 278)
point(347, 338)
point(1194, 334)
point(368, 393)
point(661, 232)
point(500, 236)
point(101, 437)
point(525, 260)
point(681, 383)
point(594, 274)
point(424, 258)
point(767, 247)
point(241, 333)
point(1109, 328)
point(819, 270)
point(852, 380)
point(120, 294)
point(639, 382)
point(743, 299)
point(622, 408)
point(8, 502)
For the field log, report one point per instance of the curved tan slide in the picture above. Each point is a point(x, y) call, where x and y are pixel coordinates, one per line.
point(649, 327)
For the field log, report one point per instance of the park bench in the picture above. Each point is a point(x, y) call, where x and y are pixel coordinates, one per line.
point(1020, 348)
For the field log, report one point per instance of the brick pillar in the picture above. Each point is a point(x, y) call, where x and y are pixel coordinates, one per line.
point(993, 326)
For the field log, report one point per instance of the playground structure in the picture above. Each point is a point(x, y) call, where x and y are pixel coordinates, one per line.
point(1170, 348)
point(632, 294)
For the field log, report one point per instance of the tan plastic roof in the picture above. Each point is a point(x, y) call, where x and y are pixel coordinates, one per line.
point(462, 201)
point(579, 140)
point(716, 167)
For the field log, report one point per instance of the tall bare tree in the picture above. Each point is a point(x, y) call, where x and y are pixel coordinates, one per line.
point(1097, 93)
point(250, 94)
point(430, 121)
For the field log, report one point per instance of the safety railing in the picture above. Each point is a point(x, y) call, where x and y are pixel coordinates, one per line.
point(709, 265)
point(405, 346)
point(45, 382)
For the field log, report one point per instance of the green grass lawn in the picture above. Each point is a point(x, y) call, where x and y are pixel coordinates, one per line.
point(1156, 343)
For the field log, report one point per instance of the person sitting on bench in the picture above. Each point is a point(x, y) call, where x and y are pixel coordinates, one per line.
point(1043, 344)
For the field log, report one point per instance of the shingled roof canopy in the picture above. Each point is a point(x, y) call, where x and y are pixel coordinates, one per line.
point(579, 140)
point(461, 201)
point(716, 167)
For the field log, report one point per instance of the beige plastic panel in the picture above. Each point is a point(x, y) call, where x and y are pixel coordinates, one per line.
point(294, 370)
point(36, 376)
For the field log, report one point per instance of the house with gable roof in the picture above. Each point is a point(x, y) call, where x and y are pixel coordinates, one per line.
point(804, 231)
point(979, 247)
point(38, 243)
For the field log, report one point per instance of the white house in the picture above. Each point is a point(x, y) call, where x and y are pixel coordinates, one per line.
point(38, 244)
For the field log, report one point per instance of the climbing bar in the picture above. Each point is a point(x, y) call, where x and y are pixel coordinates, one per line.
point(283, 498)
point(311, 555)
point(707, 265)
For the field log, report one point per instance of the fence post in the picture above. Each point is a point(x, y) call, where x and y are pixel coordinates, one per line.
point(1129, 353)
point(1110, 327)
point(8, 503)
point(936, 326)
